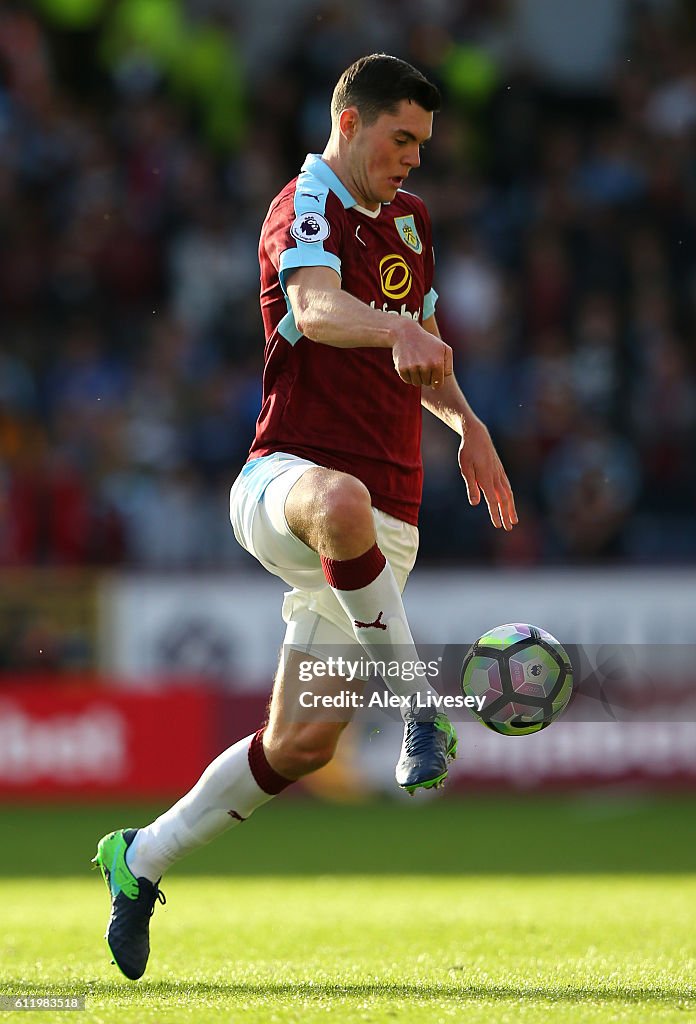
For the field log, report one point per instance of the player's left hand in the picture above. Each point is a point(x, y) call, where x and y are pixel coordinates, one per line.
point(483, 472)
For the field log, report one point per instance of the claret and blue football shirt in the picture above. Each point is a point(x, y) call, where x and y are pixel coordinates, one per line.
point(346, 409)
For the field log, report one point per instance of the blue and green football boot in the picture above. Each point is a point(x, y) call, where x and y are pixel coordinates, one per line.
point(428, 747)
point(132, 904)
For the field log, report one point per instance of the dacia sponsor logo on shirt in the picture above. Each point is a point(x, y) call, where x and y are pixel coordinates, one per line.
point(395, 276)
point(415, 315)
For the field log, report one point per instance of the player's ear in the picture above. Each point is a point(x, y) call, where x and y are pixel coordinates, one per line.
point(349, 122)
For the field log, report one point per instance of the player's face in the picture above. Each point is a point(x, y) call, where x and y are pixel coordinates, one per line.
point(383, 154)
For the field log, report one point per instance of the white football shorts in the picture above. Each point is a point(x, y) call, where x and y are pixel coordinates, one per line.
point(257, 512)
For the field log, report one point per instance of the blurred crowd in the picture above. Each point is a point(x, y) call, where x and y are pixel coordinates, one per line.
point(133, 183)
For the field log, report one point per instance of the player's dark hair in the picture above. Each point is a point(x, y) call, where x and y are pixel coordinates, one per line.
point(377, 84)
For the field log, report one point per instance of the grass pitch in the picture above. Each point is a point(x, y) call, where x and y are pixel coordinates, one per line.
point(548, 940)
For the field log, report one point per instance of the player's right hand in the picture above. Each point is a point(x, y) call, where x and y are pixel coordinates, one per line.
point(421, 358)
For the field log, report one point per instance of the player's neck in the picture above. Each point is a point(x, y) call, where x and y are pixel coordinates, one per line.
point(333, 159)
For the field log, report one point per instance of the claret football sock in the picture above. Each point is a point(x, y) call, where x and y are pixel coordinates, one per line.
point(228, 791)
point(367, 590)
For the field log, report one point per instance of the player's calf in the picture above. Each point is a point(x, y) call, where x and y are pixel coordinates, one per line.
point(299, 748)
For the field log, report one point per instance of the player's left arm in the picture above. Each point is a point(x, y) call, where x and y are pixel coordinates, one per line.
point(479, 462)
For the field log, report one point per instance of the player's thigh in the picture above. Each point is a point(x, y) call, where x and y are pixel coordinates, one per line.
point(257, 514)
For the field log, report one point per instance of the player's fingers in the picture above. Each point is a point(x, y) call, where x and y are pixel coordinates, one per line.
point(492, 491)
point(416, 374)
point(512, 516)
point(473, 491)
point(511, 510)
point(505, 517)
point(431, 376)
point(506, 501)
point(494, 511)
point(448, 361)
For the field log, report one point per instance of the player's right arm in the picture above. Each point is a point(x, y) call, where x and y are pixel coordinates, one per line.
point(327, 314)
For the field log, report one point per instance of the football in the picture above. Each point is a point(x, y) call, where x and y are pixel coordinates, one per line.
point(524, 674)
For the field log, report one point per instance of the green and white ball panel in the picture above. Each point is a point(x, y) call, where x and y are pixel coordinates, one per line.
point(483, 678)
point(505, 636)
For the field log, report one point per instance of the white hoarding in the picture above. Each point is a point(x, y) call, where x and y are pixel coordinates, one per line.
point(229, 627)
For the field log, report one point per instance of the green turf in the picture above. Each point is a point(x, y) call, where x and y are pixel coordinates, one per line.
point(427, 910)
point(413, 949)
point(523, 835)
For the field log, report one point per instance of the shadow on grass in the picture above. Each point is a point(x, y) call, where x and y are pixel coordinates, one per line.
point(205, 991)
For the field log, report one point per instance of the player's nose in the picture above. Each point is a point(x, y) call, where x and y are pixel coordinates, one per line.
point(412, 157)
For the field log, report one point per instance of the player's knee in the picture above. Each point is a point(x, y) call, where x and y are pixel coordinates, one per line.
point(346, 509)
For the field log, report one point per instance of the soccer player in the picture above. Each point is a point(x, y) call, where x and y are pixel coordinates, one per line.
point(329, 498)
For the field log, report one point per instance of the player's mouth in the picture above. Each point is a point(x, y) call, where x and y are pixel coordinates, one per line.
point(397, 182)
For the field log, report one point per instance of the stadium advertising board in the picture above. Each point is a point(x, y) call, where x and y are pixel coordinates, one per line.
point(94, 741)
point(230, 631)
